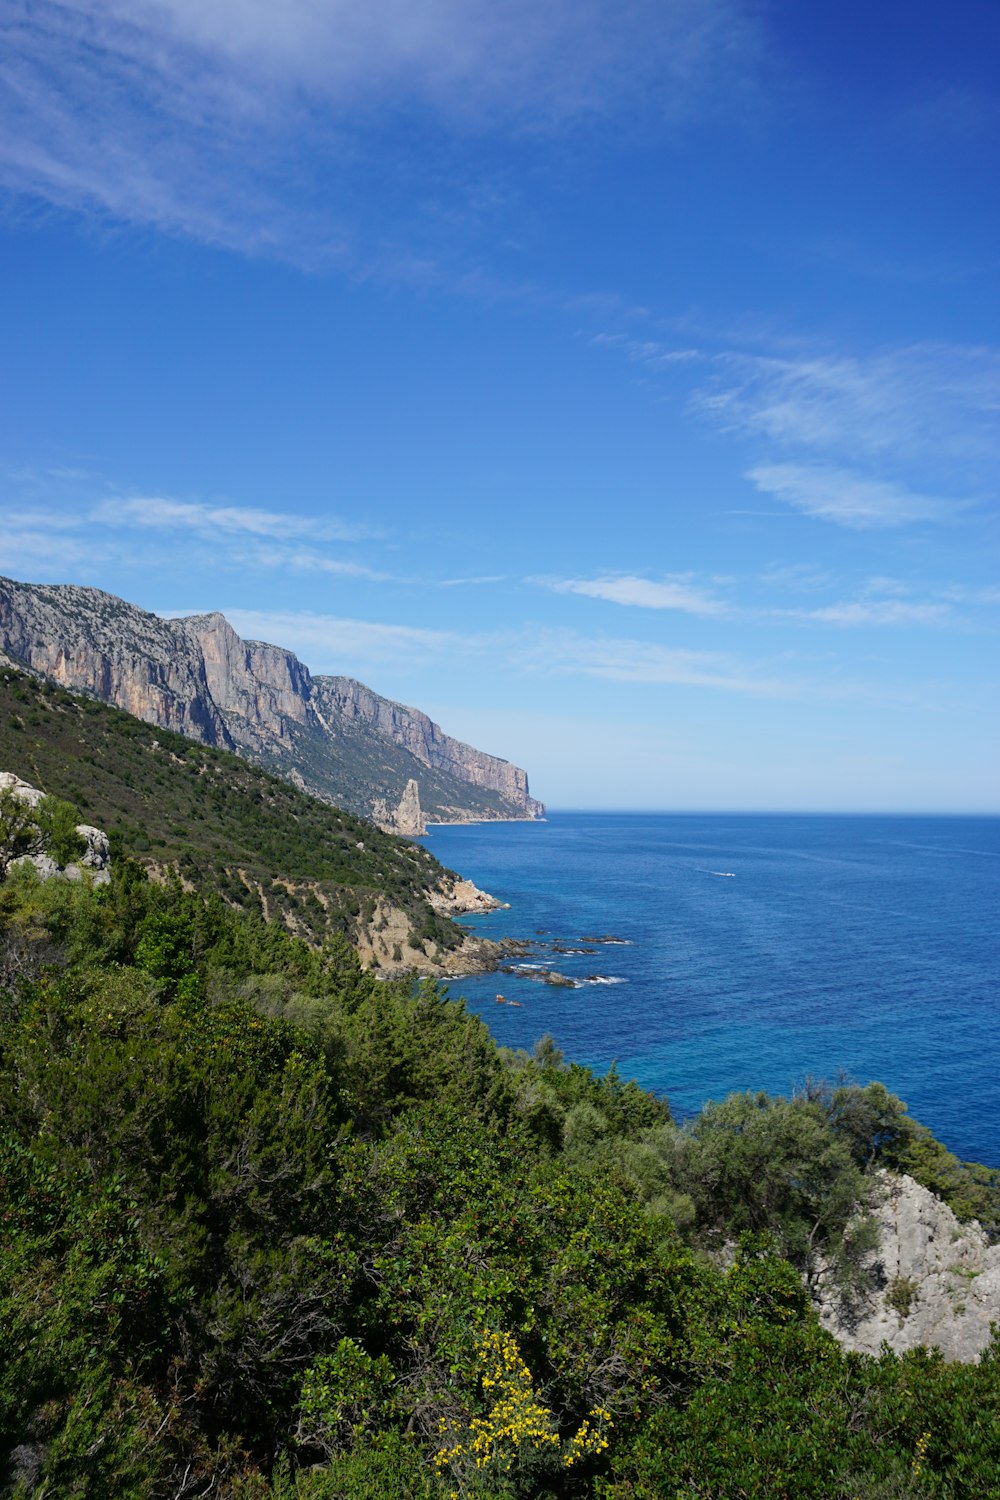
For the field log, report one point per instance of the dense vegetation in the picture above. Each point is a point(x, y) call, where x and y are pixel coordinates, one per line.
point(273, 1229)
point(217, 821)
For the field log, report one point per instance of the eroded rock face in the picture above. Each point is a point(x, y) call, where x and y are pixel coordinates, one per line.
point(931, 1281)
point(384, 943)
point(406, 819)
point(92, 642)
point(94, 862)
point(331, 735)
point(264, 688)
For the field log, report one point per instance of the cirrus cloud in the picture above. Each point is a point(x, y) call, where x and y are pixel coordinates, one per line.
point(937, 400)
point(251, 126)
point(675, 592)
point(849, 499)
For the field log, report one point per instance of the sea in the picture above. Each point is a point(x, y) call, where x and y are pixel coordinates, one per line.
point(713, 953)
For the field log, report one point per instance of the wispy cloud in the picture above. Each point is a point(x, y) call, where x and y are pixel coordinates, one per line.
point(253, 537)
point(230, 122)
point(303, 561)
point(486, 578)
point(335, 644)
point(652, 353)
point(623, 660)
point(846, 436)
point(162, 513)
point(47, 554)
point(936, 399)
point(847, 498)
point(81, 534)
point(797, 578)
point(882, 601)
point(987, 594)
point(676, 592)
point(326, 642)
point(861, 612)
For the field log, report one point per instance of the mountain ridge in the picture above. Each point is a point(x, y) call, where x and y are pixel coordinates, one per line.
point(330, 735)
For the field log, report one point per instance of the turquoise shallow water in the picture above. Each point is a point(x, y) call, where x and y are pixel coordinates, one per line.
point(756, 951)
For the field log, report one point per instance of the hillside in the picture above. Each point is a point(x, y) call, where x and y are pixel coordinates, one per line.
point(225, 825)
point(329, 735)
point(276, 1230)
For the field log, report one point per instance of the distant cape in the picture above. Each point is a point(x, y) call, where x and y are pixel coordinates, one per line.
point(331, 736)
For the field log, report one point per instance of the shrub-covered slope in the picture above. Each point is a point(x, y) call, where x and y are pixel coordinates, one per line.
point(220, 822)
point(273, 1228)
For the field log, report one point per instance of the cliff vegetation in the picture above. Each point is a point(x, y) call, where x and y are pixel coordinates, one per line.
point(331, 736)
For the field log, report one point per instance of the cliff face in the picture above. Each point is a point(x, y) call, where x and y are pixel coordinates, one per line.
point(330, 735)
point(259, 690)
point(932, 1280)
point(426, 741)
point(94, 643)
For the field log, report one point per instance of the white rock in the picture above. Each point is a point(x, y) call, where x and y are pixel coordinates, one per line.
point(947, 1271)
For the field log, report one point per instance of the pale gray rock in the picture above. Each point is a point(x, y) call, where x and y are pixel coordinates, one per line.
point(11, 783)
point(458, 897)
point(259, 690)
point(405, 819)
point(425, 740)
point(932, 1280)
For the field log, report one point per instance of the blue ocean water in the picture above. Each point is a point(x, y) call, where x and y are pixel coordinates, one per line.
point(755, 951)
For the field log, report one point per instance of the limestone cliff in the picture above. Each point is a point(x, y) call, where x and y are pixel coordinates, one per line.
point(932, 1280)
point(330, 735)
point(344, 698)
point(94, 643)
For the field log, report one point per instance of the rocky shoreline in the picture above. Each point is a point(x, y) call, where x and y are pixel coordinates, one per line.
point(387, 935)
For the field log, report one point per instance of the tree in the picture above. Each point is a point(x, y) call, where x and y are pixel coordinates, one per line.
point(58, 822)
point(21, 832)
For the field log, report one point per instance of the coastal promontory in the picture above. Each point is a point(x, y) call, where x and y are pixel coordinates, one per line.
point(331, 736)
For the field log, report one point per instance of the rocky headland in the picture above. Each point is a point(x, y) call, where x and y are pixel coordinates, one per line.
point(331, 736)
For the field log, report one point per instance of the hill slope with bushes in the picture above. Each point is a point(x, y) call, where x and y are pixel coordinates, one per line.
point(274, 1228)
point(221, 823)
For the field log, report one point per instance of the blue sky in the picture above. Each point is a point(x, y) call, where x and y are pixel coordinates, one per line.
point(618, 383)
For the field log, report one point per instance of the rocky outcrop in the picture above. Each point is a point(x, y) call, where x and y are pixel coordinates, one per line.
point(332, 736)
point(344, 698)
point(457, 897)
point(387, 944)
point(260, 691)
point(94, 643)
point(932, 1280)
point(406, 819)
point(95, 861)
